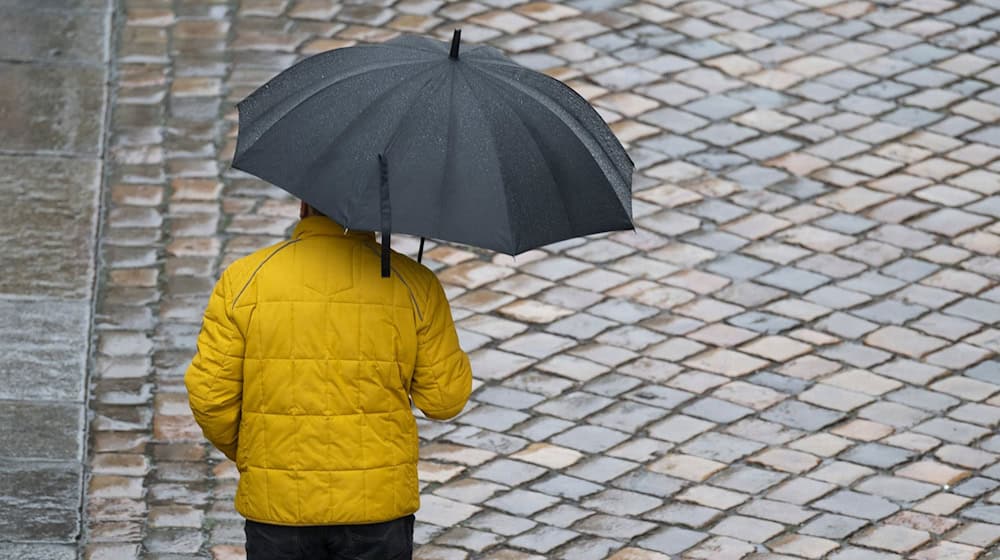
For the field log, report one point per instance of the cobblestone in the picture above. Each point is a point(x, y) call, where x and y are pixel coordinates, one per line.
point(794, 356)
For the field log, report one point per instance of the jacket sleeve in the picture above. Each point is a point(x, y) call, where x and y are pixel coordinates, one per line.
point(215, 378)
point(442, 379)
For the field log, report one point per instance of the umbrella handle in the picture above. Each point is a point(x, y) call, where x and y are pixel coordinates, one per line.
point(420, 254)
point(456, 38)
point(386, 207)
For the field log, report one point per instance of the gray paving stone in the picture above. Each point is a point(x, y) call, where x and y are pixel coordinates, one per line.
point(893, 414)
point(767, 148)
point(44, 346)
point(700, 50)
point(511, 473)
point(717, 240)
point(877, 455)
point(40, 500)
point(60, 109)
point(872, 283)
point(739, 267)
point(750, 480)
point(662, 397)
point(21, 551)
point(485, 439)
point(52, 35)
point(612, 384)
point(896, 488)
point(801, 415)
point(566, 487)
point(975, 309)
point(910, 269)
point(563, 515)
point(62, 193)
point(755, 177)
point(717, 211)
point(717, 410)
point(856, 504)
point(522, 502)
point(574, 406)
point(688, 515)
point(762, 97)
point(501, 523)
point(42, 431)
point(601, 468)
point(793, 279)
point(628, 417)
point(855, 553)
point(717, 107)
point(543, 538)
point(856, 355)
point(493, 417)
point(588, 548)
point(801, 188)
point(777, 511)
point(846, 325)
point(988, 371)
point(801, 491)
point(507, 397)
point(912, 117)
point(779, 382)
point(541, 428)
point(890, 312)
point(976, 486)
point(614, 527)
point(672, 540)
point(590, 439)
point(986, 514)
point(674, 120)
point(766, 323)
point(720, 447)
point(621, 502)
point(950, 430)
point(648, 482)
point(818, 92)
point(672, 146)
point(846, 223)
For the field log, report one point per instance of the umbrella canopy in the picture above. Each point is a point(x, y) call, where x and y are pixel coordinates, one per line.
point(467, 147)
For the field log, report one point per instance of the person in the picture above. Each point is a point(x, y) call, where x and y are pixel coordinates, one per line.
point(307, 363)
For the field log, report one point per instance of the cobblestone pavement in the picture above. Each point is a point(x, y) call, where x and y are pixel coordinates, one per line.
point(793, 357)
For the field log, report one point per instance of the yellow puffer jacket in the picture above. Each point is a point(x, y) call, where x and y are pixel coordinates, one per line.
point(306, 364)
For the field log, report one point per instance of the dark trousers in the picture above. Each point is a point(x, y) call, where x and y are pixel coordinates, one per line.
point(391, 540)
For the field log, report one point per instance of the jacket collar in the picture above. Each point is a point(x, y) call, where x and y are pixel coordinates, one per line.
point(321, 225)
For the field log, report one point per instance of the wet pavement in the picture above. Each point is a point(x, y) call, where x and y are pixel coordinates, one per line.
point(54, 66)
point(795, 355)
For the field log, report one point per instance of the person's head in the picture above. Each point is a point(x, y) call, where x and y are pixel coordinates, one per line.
point(305, 211)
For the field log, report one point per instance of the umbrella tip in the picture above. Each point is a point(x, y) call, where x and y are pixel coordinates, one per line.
point(455, 40)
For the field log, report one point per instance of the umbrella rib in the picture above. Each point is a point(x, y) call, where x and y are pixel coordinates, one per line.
point(567, 118)
point(409, 110)
point(510, 225)
point(541, 155)
point(266, 118)
point(381, 98)
point(447, 154)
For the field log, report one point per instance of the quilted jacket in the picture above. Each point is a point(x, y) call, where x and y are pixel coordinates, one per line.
point(307, 363)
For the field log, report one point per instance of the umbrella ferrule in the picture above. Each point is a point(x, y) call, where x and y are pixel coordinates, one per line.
point(456, 40)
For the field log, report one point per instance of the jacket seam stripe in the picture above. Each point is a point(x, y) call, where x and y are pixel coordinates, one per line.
point(256, 270)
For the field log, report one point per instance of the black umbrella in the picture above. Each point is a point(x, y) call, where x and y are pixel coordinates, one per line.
point(408, 136)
